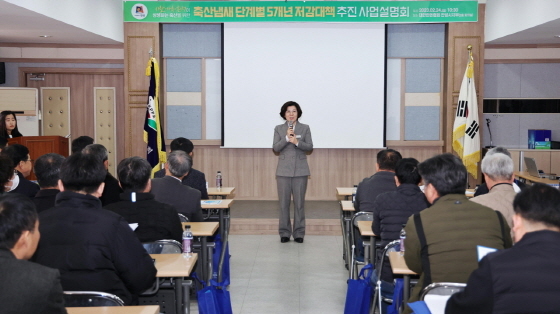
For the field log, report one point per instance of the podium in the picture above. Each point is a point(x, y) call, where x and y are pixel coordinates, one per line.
point(40, 145)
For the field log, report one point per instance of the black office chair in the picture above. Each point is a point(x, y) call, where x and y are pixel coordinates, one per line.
point(90, 298)
point(183, 218)
point(163, 247)
point(391, 246)
point(436, 294)
point(358, 259)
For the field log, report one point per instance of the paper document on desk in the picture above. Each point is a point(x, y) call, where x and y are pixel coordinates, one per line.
point(211, 202)
point(483, 250)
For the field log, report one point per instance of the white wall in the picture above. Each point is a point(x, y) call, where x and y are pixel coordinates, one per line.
point(102, 17)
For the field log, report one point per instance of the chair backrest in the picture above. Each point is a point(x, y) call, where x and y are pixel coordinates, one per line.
point(183, 218)
point(163, 247)
point(436, 294)
point(361, 216)
point(90, 298)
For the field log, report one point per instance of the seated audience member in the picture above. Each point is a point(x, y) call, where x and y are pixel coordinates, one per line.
point(47, 168)
point(195, 179)
point(112, 190)
point(23, 164)
point(498, 174)
point(170, 190)
point(25, 287)
point(156, 221)
point(6, 173)
point(3, 143)
point(94, 249)
point(524, 278)
point(441, 241)
point(392, 209)
point(483, 188)
point(382, 181)
point(79, 143)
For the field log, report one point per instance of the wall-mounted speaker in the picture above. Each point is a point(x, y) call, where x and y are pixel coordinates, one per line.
point(2, 73)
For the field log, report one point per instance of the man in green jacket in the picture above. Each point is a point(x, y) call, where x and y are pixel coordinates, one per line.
point(453, 227)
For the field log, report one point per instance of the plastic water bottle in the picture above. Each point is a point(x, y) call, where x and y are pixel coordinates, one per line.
point(354, 191)
point(187, 241)
point(219, 180)
point(402, 237)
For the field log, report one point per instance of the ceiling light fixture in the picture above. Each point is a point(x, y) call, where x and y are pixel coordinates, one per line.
point(557, 36)
point(45, 36)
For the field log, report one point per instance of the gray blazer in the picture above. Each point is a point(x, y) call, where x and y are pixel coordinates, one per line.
point(292, 161)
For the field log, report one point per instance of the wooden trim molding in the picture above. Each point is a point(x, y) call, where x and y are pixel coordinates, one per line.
point(73, 70)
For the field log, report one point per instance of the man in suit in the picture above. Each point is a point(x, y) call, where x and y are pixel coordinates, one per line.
point(524, 278)
point(156, 220)
point(94, 249)
point(195, 179)
point(25, 287)
point(112, 190)
point(47, 168)
point(441, 240)
point(23, 164)
point(170, 189)
point(382, 181)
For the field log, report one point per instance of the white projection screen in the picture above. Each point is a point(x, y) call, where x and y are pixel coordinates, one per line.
point(335, 71)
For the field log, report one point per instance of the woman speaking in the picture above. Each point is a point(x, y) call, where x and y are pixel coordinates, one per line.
point(292, 139)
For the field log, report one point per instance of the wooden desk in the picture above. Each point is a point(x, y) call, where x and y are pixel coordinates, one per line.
point(204, 230)
point(399, 267)
point(365, 231)
point(526, 176)
point(344, 192)
point(223, 213)
point(222, 192)
point(143, 309)
point(176, 266)
point(346, 211)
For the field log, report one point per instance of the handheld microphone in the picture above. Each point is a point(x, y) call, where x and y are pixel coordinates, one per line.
point(291, 126)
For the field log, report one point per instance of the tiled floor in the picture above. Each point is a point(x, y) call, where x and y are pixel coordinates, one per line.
point(269, 277)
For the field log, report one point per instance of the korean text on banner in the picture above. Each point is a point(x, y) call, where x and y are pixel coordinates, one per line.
point(153, 130)
point(466, 136)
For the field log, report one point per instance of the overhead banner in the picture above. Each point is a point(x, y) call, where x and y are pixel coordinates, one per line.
point(297, 11)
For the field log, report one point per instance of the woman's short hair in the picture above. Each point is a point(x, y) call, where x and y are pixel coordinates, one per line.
point(285, 108)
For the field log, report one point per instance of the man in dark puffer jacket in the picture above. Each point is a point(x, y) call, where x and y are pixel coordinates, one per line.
point(94, 249)
point(392, 209)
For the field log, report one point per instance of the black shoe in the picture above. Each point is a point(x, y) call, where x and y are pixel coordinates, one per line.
point(285, 239)
point(299, 240)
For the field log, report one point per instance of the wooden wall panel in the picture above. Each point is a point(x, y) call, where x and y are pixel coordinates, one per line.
point(140, 38)
point(252, 171)
point(81, 83)
point(459, 35)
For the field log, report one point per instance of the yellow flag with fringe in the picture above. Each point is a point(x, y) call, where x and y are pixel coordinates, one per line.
point(466, 135)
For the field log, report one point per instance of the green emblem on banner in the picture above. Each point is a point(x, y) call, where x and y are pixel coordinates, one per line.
point(295, 11)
